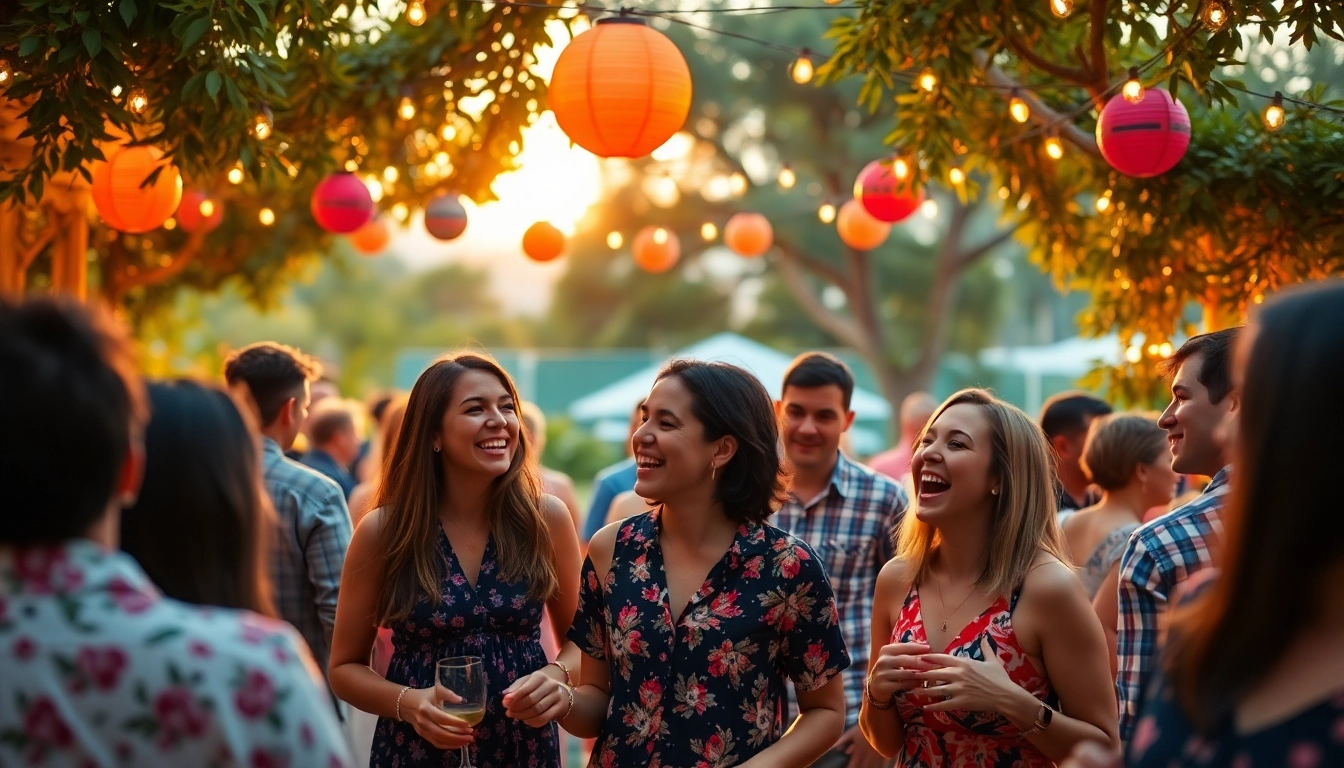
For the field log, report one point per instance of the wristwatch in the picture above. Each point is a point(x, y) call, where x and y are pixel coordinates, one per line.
point(1042, 720)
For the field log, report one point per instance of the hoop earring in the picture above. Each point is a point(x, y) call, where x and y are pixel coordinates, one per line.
point(436, 449)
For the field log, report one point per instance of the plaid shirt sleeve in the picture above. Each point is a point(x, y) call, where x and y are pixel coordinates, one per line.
point(1143, 599)
point(325, 533)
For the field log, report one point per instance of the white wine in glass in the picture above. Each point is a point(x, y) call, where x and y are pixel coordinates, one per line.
point(461, 692)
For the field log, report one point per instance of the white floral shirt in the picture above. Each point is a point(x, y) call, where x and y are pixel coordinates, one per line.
point(97, 668)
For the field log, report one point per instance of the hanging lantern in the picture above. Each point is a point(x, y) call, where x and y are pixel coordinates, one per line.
point(858, 229)
point(199, 211)
point(1145, 138)
point(620, 89)
point(748, 234)
point(124, 201)
point(445, 218)
point(655, 249)
point(886, 196)
point(341, 203)
point(543, 242)
point(371, 238)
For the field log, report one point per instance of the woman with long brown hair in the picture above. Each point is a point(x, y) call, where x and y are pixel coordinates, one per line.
point(985, 649)
point(460, 557)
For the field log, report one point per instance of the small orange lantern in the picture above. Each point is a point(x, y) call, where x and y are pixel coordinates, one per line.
point(656, 249)
point(543, 242)
point(121, 200)
point(371, 238)
point(620, 89)
point(748, 234)
point(858, 229)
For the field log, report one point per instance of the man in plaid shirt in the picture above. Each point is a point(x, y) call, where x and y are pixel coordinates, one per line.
point(313, 522)
point(845, 511)
point(1164, 553)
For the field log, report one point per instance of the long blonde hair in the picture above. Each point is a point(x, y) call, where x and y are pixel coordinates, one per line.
point(412, 490)
point(1023, 521)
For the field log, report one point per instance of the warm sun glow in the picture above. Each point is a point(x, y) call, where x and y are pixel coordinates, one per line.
point(554, 182)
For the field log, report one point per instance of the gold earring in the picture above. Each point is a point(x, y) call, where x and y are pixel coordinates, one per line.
point(712, 470)
point(994, 491)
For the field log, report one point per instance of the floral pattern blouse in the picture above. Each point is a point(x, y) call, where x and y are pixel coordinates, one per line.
point(97, 668)
point(706, 690)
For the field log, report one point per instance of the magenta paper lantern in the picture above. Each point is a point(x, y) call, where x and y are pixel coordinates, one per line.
point(445, 218)
point(885, 197)
point(341, 203)
point(1144, 139)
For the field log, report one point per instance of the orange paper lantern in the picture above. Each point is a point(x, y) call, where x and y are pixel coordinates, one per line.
point(192, 211)
point(656, 249)
point(543, 242)
point(620, 89)
point(371, 238)
point(858, 229)
point(121, 199)
point(748, 234)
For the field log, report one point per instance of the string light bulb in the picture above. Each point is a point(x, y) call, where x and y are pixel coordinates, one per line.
point(660, 236)
point(262, 123)
point(826, 213)
point(708, 231)
point(406, 110)
point(1018, 108)
point(802, 69)
point(207, 207)
point(928, 81)
point(137, 101)
point(266, 216)
point(1214, 15)
point(900, 167)
point(1274, 115)
point(1054, 148)
point(236, 174)
point(787, 178)
point(6, 74)
point(1104, 202)
point(1132, 90)
point(1061, 8)
point(614, 240)
point(956, 175)
point(415, 13)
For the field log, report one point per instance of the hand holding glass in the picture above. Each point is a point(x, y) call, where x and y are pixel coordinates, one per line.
point(460, 688)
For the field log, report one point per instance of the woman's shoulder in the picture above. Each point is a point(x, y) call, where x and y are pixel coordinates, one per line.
point(1050, 579)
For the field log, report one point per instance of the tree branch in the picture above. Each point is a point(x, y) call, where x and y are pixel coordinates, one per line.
point(180, 260)
point(970, 256)
point(1023, 51)
point(1097, 61)
point(843, 329)
point(42, 240)
point(1041, 113)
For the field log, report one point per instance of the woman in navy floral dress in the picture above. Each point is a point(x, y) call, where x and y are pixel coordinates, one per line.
point(693, 615)
point(460, 558)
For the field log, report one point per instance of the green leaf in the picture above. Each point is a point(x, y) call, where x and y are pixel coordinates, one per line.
point(127, 10)
point(93, 42)
point(81, 17)
point(28, 45)
point(212, 83)
point(195, 32)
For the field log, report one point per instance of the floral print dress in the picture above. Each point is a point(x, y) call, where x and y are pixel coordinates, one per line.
point(707, 689)
point(97, 668)
point(960, 737)
point(496, 621)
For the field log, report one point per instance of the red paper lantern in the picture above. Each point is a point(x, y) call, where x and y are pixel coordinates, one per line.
point(445, 218)
point(748, 234)
point(199, 211)
point(543, 242)
point(656, 249)
point(341, 203)
point(123, 199)
point(883, 195)
point(858, 229)
point(371, 238)
point(620, 89)
point(1144, 139)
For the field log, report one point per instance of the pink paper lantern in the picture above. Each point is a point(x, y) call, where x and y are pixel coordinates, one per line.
point(885, 197)
point(341, 203)
point(445, 218)
point(1144, 139)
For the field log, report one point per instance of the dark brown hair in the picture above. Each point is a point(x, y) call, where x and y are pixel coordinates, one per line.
point(273, 374)
point(1214, 351)
point(819, 369)
point(412, 491)
point(1280, 537)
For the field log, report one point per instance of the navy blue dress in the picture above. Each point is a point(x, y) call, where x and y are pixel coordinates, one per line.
point(496, 621)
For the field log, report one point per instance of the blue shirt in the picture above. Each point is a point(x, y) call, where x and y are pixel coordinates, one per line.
point(609, 483)
point(323, 462)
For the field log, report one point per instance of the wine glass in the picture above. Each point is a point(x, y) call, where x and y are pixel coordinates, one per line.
point(463, 676)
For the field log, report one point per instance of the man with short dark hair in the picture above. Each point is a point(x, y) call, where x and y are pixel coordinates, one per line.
point(1065, 420)
point(1164, 553)
point(845, 511)
point(333, 441)
point(314, 523)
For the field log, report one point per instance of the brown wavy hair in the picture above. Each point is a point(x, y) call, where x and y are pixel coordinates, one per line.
point(412, 491)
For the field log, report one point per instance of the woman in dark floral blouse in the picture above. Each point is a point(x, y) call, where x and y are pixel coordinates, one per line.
point(692, 615)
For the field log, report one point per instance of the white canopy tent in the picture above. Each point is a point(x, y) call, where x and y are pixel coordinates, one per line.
point(1070, 357)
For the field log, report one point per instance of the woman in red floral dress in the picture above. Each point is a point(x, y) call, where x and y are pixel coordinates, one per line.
point(983, 638)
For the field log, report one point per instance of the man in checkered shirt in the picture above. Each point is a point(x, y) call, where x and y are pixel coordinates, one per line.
point(1164, 553)
point(845, 511)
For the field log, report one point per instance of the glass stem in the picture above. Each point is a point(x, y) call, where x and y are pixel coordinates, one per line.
point(466, 758)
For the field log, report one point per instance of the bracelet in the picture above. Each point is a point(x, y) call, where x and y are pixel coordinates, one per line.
point(399, 695)
point(563, 668)
point(569, 689)
point(867, 694)
point(1043, 718)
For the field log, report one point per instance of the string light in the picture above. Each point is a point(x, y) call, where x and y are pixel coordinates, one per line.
point(137, 101)
point(401, 211)
point(266, 216)
point(956, 175)
point(1214, 15)
point(262, 123)
point(708, 231)
point(415, 13)
point(406, 110)
point(900, 167)
point(207, 208)
point(1164, 349)
point(1132, 90)
point(737, 184)
point(448, 133)
point(1274, 114)
point(1061, 8)
point(802, 69)
point(390, 174)
point(1133, 354)
point(236, 174)
point(928, 81)
point(170, 224)
point(1018, 109)
point(614, 240)
point(787, 178)
point(826, 213)
point(6, 74)
point(1054, 148)
point(1104, 202)
point(660, 236)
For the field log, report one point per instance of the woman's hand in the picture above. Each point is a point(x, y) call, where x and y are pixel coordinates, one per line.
point(897, 669)
point(536, 699)
point(420, 708)
point(956, 682)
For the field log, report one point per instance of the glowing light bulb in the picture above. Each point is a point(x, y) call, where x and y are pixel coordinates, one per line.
point(170, 224)
point(137, 101)
point(406, 110)
point(266, 216)
point(236, 174)
point(1214, 15)
point(708, 231)
point(351, 165)
point(448, 133)
point(415, 13)
point(928, 81)
point(826, 213)
point(802, 69)
point(390, 174)
point(929, 208)
point(1104, 202)
point(1133, 354)
point(1018, 109)
point(1132, 90)
point(1274, 115)
point(901, 167)
point(1164, 349)
point(614, 240)
point(207, 208)
point(787, 178)
point(1061, 8)
point(660, 236)
point(737, 184)
point(401, 211)
point(262, 123)
point(1054, 148)
point(6, 74)
point(956, 175)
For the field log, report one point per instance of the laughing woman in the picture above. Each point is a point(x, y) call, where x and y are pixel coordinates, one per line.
point(693, 614)
point(983, 638)
point(460, 557)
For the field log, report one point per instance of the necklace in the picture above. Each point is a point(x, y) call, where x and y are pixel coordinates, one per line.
point(943, 605)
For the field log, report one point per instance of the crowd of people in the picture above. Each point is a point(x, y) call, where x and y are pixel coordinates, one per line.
point(196, 574)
